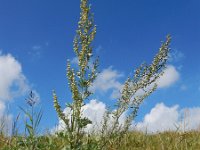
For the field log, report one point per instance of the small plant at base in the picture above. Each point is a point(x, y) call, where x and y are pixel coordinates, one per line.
point(32, 122)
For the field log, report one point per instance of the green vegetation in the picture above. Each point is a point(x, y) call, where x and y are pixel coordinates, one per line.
point(113, 134)
point(82, 78)
point(131, 141)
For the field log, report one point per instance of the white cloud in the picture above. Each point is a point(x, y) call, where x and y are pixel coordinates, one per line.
point(163, 118)
point(160, 118)
point(108, 80)
point(170, 76)
point(12, 81)
point(105, 81)
point(94, 111)
point(13, 84)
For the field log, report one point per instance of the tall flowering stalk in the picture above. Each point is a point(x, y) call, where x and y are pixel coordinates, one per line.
point(81, 79)
point(134, 91)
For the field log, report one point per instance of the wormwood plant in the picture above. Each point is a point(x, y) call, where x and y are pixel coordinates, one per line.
point(133, 93)
point(80, 80)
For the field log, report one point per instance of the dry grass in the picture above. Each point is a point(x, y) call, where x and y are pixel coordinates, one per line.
point(132, 141)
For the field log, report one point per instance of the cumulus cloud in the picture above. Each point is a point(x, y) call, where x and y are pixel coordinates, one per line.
point(105, 81)
point(12, 81)
point(170, 76)
point(94, 111)
point(13, 84)
point(163, 118)
point(191, 118)
point(160, 118)
point(108, 80)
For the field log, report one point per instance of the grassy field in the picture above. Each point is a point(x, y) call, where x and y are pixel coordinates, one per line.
point(131, 141)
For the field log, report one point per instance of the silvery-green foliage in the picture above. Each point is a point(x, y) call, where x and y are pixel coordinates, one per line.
point(143, 82)
point(81, 78)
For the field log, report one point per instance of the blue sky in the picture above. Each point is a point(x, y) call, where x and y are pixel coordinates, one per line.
point(38, 36)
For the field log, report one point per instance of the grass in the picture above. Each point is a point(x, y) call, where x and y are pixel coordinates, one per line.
point(131, 141)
